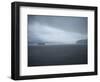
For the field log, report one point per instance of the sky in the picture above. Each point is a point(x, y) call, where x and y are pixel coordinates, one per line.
point(56, 29)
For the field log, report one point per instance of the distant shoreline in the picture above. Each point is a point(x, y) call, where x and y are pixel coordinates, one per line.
point(52, 44)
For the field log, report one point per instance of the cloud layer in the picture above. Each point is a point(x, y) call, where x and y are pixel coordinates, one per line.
point(61, 30)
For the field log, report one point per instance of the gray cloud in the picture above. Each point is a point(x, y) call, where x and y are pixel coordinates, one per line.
point(62, 29)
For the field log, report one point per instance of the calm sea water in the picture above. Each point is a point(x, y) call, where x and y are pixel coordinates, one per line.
point(46, 55)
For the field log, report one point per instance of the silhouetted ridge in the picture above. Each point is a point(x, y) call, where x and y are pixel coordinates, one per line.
point(84, 42)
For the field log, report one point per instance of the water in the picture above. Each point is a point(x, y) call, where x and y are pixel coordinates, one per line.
point(46, 55)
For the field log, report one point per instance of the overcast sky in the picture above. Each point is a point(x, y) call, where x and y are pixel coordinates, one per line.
point(56, 29)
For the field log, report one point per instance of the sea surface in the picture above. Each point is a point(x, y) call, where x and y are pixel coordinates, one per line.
point(49, 55)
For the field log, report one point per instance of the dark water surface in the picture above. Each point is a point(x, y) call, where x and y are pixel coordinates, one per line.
point(45, 55)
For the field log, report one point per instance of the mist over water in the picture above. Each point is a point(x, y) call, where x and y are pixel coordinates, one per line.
point(57, 40)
